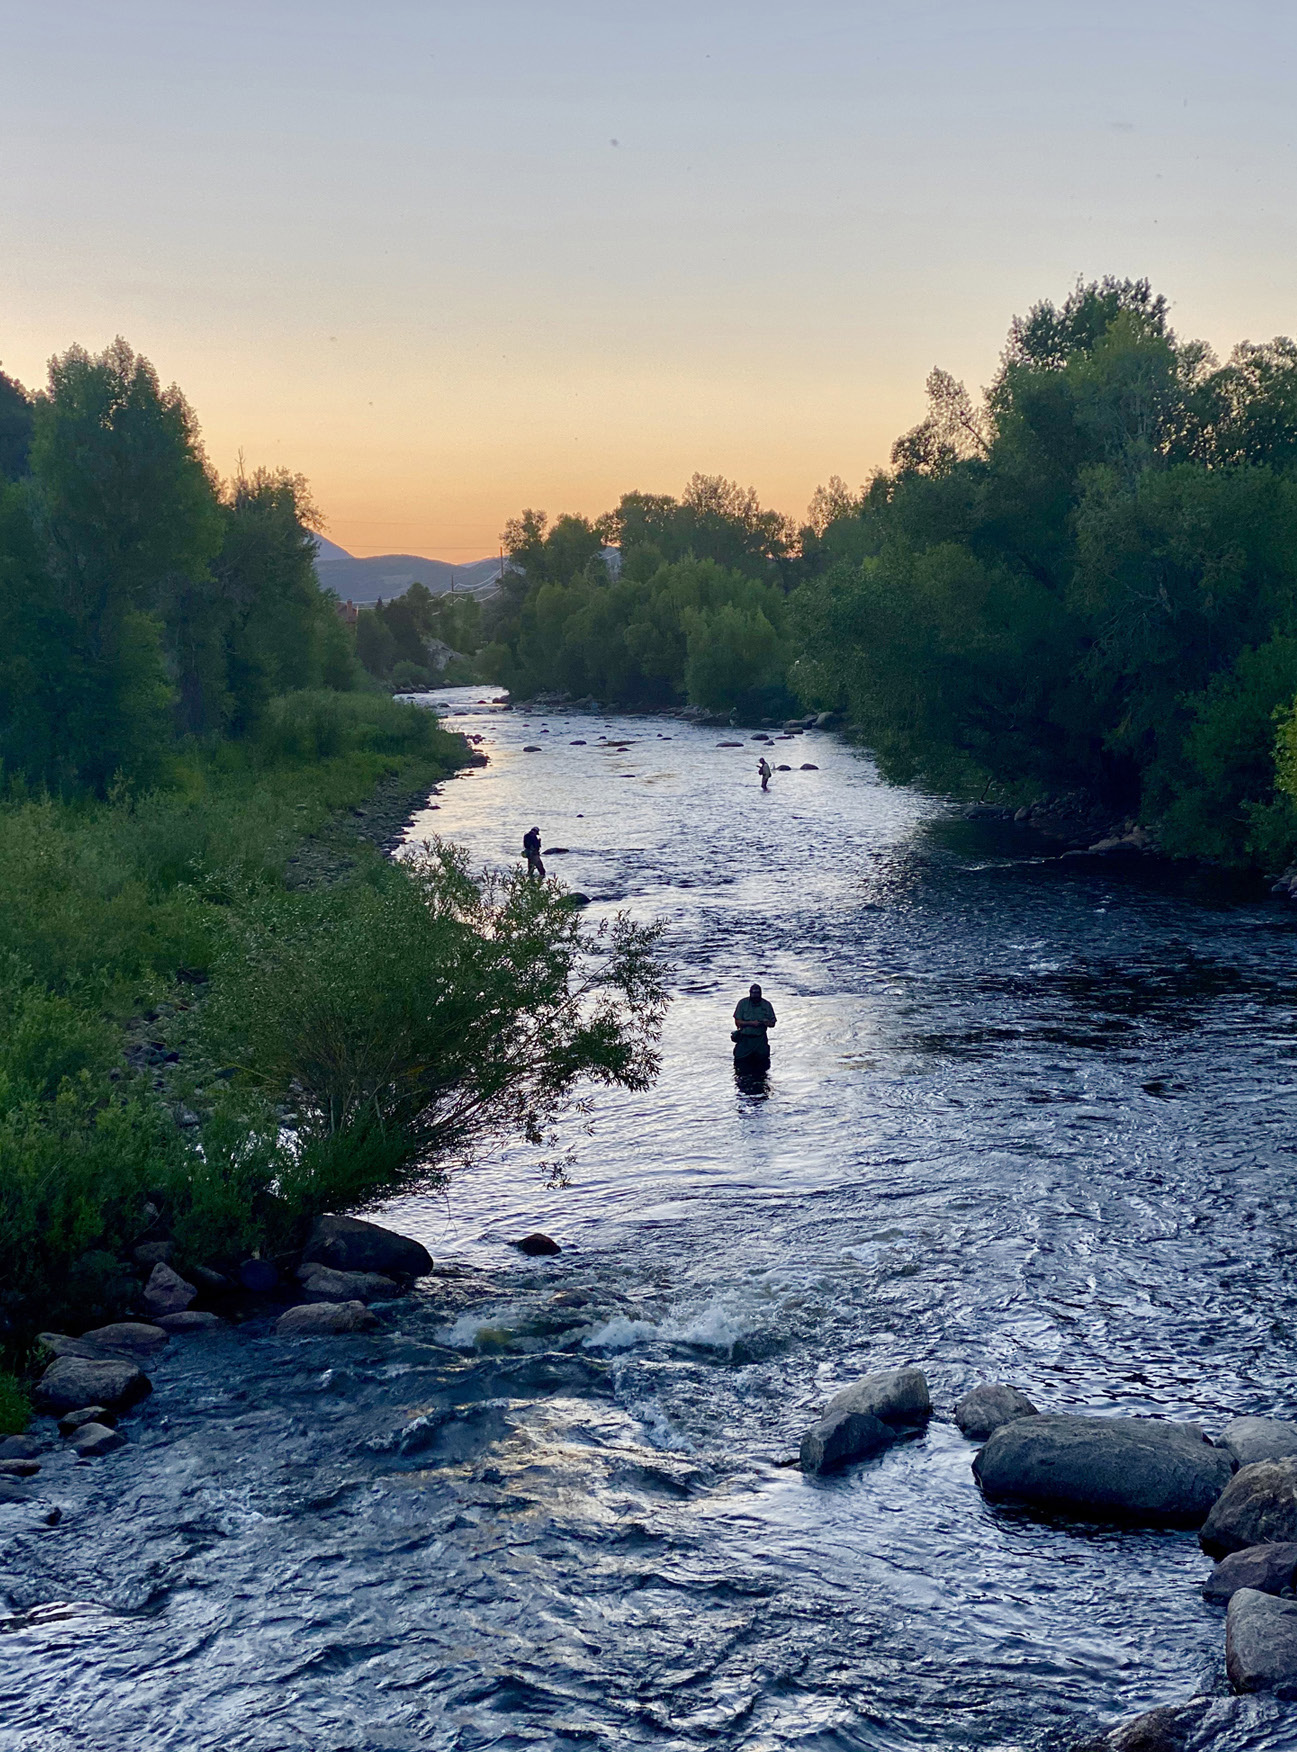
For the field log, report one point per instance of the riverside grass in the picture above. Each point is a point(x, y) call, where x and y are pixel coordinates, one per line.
point(115, 914)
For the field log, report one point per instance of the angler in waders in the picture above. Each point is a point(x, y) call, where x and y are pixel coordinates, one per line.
point(754, 1017)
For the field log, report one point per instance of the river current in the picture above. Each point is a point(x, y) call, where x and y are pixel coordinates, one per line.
point(1028, 1119)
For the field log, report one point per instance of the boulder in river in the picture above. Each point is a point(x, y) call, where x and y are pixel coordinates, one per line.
point(1258, 1507)
point(537, 1246)
point(1261, 1643)
point(348, 1244)
point(1267, 1568)
point(166, 1291)
point(19, 1448)
point(865, 1417)
point(1250, 1439)
point(72, 1382)
point(320, 1319)
point(130, 1338)
point(72, 1421)
point(1106, 1468)
point(321, 1283)
point(983, 1410)
point(19, 1468)
point(93, 1440)
point(809, 766)
point(189, 1320)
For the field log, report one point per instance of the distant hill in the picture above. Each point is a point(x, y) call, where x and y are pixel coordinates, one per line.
point(389, 575)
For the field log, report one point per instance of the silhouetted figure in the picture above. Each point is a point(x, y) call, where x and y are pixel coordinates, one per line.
point(764, 768)
point(754, 1017)
point(531, 851)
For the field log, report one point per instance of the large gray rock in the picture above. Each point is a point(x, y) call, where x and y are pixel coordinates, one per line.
point(20, 1448)
point(1267, 1568)
point(19, 1468)
point(865, 1417)
point(93, 1439)
point(318, 1319)
point(1261, 1643)
point(348, 1244)
point(1251, 1439)
point(166, 1291)
point(982, 1411)
point(1258, 1507)
point(1109, 1468)
point(72, 1421)
point(72, 1382)
point(129, 1338)
point(321, 1283)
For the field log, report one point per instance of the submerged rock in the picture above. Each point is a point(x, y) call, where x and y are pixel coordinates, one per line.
point(72, 1382)
point(12, 1490)
point(1111, 1468)
point(93, 1439)
point(987, 1407)
point(536, 1246)
point(348, 1244)
point(1258, 1507)
point(864, 1418)
point(132, 1338)
point(1267, 1568)
point(1261, 1643)
point(311, 1319)
point(1252, 1439)
point(166, 1291)
point(1171, 1728)
point(321, 1283)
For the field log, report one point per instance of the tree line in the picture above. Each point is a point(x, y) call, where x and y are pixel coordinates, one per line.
point(1084, 581)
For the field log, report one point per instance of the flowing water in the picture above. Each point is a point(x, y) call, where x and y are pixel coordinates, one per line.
point(1028, 1119)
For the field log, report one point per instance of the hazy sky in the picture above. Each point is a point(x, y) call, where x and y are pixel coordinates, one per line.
point(451, 259)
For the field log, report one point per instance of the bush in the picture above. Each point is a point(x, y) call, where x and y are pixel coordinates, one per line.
point(15, 1406)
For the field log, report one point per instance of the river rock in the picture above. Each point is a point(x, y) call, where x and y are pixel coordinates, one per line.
point(348, 1244)
point(311, 1319)
point(59, 1344)
point(153, 1253)
point(19, 1468)
point(1112, 1468)
point(1261, 1643)
point(72, 1382)
point(537, 1246)
point(865, 1417)
point(166, 1291)
point(1258, 1507)
point(1267, 1568)
point(259, 1276)
point(209, 1279)
point(93, 1439)
point(131, 1338)
point(190, 1320)
point(809, 766)
point(1251, 1439)
point(322, 1284)
point(983, 1410)
point(1171, 1728)
point(19, 1448)
point(73, 1420)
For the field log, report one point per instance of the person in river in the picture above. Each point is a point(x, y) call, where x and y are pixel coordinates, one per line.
point(754, 1017)
point(531, 851)
point(764, 768)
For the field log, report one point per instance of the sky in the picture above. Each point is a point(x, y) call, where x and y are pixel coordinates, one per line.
point(451, 258)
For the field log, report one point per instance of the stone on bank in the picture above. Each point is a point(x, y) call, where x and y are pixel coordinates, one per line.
point(73, 1382)
point(349, 1244)
point(1110, 1468)
point(1258, 1507)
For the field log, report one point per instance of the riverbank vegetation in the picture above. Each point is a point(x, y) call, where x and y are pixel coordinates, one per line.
point(1082, 583)
point(222, 1011)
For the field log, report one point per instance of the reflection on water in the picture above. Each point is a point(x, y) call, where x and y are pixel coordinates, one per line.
point(1026, 1118)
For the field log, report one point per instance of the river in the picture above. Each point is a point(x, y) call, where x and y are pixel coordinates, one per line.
point(1028, 1119)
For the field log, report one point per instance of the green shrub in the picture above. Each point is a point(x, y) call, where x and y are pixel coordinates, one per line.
point(15, 1407)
